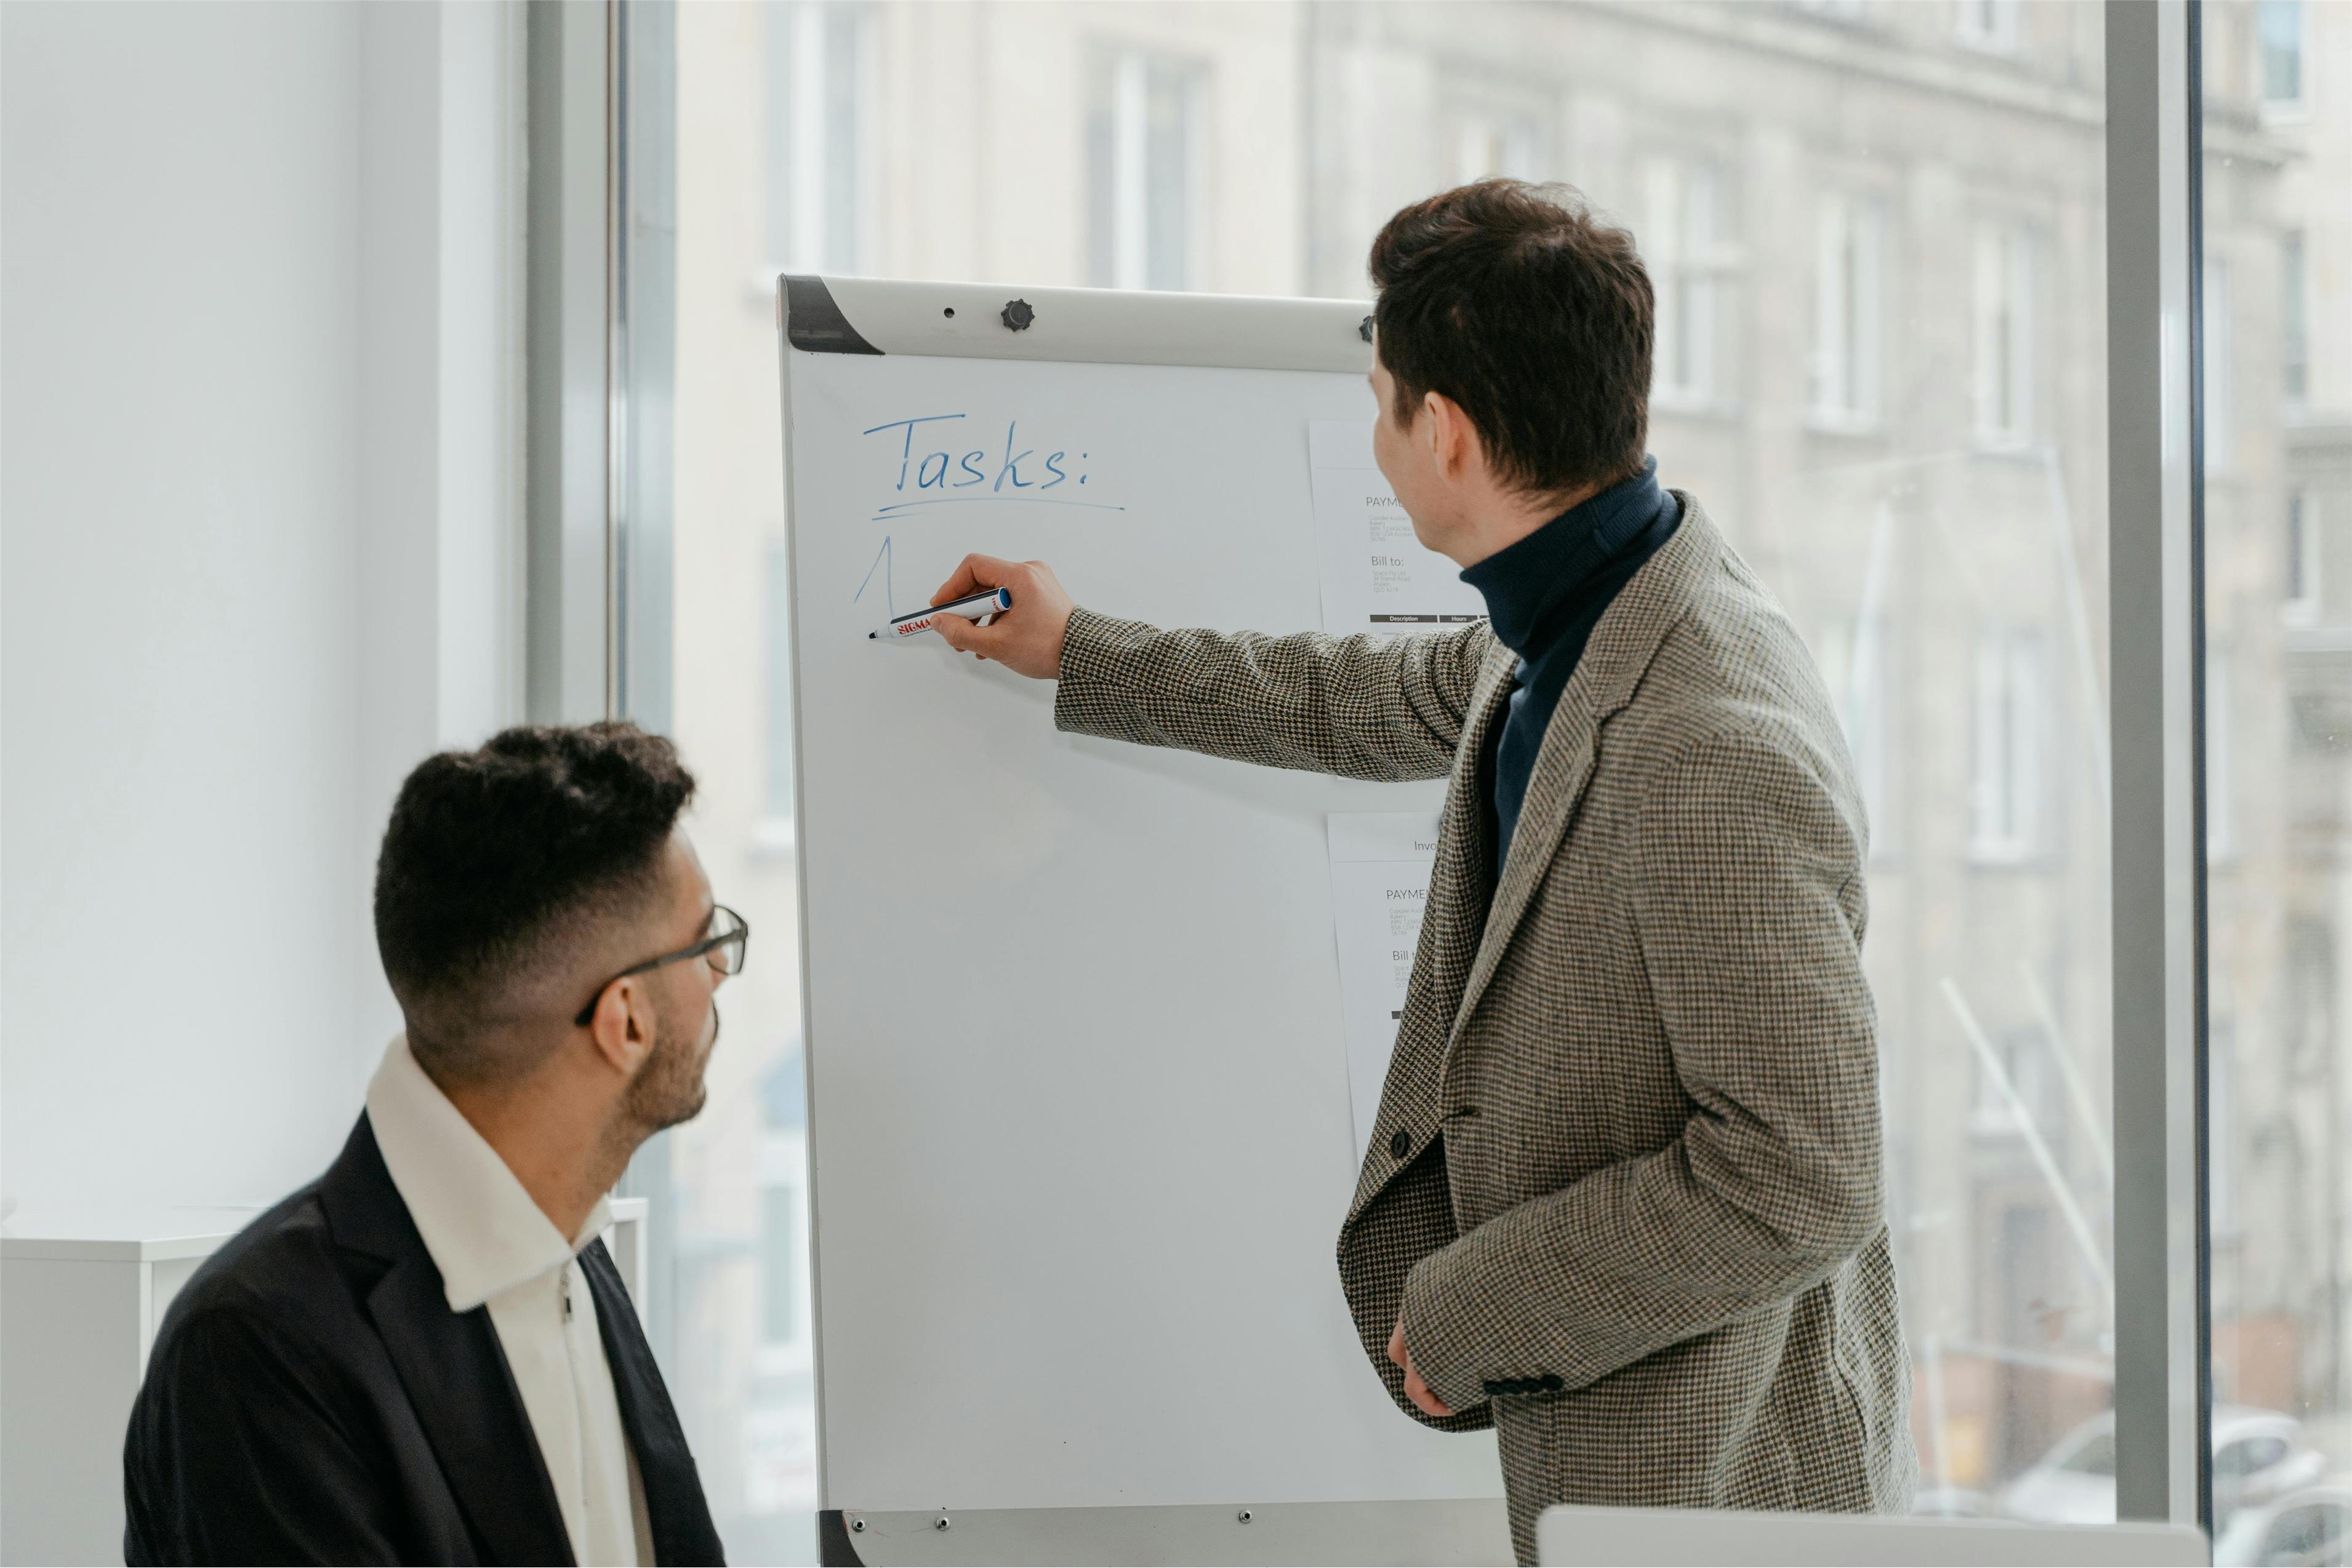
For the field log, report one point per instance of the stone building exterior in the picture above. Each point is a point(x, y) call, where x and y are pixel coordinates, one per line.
point(1877, 231)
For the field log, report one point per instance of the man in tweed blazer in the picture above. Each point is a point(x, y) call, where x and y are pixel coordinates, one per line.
point(1623, 1199)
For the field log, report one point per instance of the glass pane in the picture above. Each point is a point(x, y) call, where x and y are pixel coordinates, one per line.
point(2278, 766)
point(1880, 362)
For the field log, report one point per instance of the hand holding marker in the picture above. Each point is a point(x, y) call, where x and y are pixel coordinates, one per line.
point(975, 607)
point(1026, 632)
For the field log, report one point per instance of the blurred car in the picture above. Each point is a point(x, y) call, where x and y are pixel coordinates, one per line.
point(2259, 1455)
point(2310, 1526)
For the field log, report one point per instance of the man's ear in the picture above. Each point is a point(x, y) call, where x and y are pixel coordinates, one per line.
point(1453, 442)
point(623, 1025)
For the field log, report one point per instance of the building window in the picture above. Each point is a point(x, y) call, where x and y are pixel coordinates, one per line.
point(2010, 782)
point(1852, 658)
point(2004, 336)
point(1139, 147)
point(1482, 146)
point(2220, 411)
point(2294, 323)
point(2303, 559)
point(1686, 243)
point(2279, 26)
point(1989, 25)
point(815, 208)
point(1848, 268)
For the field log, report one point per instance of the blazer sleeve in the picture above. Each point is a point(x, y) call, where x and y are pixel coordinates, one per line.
point(1748, 895)
point(235, 1455)
point(1363, 707)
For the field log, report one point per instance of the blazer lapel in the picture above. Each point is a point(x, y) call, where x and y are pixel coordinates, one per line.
point(1450, 925)
point(450, 1364)
point(1615, 659)
point(678, 1515)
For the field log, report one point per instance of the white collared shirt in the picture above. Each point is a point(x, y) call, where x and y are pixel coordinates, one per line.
point(494, 1246)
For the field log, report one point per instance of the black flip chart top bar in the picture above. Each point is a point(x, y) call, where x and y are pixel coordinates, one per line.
point(1086, 326)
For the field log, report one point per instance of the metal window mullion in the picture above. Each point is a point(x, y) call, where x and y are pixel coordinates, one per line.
point(568, 310)
point(2162, 1401)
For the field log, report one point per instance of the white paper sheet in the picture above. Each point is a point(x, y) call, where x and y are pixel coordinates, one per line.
point(1381, 863)
point(1377, 577)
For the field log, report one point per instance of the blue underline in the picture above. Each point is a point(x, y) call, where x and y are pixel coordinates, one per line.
point(1000, 500)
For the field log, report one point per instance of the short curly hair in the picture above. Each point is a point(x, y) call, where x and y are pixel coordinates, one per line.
point(494, 856)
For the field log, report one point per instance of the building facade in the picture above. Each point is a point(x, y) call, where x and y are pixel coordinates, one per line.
point(1877, 232)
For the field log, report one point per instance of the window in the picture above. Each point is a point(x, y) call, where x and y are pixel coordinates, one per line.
point(816, 183)
point(2280, 23)
point(2005, 336)
point(1138, 143)
point(2249, 1456)
point(2220, 411)
point(779, 587)
point(2010, 739)
point(1847, 312)
point(2095, 1455)
point(780, 1250)
point(1690, 261)
point(2278, 771)
point(1989, 25)
point(2294, 321)
point(2311, 1532)
point(1256, 150)
point(1482, 145)
point(2303, 559)
point(1852, 657)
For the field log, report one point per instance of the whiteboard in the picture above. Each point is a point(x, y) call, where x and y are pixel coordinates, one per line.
point(1079, 1114)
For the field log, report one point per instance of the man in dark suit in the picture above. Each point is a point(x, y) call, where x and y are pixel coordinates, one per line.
point(426, 1355)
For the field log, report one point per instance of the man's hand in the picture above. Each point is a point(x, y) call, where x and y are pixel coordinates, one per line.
point(1025, 639)
point(1414, 1388)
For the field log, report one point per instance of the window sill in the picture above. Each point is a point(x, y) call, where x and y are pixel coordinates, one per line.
point(1692, 404)
point(2316, 638)
point(1845, 424)
point(2006, 857)
point(2009, 448)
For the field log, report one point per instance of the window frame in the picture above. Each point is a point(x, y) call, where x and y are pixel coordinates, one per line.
point(579, 387)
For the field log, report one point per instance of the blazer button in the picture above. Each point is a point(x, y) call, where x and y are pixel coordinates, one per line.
point(1401, 1143)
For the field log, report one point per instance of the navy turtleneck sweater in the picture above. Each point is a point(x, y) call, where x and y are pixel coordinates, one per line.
point(1544, 595)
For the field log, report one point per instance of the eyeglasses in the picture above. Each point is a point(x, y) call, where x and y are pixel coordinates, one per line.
point(729, 935)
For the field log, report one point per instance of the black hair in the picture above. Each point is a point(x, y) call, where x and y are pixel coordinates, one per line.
point(1531, 313)
point(492, 855)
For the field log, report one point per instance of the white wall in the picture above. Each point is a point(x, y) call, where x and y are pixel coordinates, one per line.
point(259, 539)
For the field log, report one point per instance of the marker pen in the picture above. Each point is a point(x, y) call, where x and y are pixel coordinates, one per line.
point(971, 607)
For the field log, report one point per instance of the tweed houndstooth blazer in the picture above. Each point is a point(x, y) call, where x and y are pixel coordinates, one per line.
point(1625, 1183)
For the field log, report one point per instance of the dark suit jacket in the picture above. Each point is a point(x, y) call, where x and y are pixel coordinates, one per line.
point(311, 1398)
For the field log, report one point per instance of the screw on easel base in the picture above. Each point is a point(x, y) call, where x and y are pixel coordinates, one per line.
point(940, 1523)
point(1242, 1517)
point(858, 1525)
